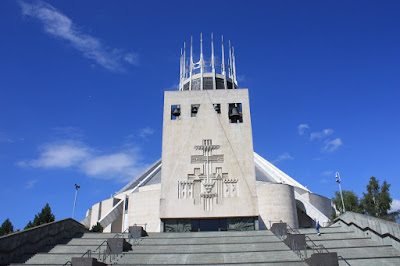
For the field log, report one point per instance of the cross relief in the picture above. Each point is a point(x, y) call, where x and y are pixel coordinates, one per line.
point(205, 186)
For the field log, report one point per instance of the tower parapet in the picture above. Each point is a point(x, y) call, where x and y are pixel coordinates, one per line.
point(212, 74)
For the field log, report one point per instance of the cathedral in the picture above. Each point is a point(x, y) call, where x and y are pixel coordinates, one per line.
point(209, 178)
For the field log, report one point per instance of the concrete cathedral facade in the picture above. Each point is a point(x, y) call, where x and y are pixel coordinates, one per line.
point(209, 177)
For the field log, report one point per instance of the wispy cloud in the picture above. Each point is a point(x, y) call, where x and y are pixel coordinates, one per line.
point(5, 139)
point(145, 132)
point(59, 155)
point(59, 25)
point(302, 129)
point(282, 157)
point(395, 206)
point(30, 184)
point(120, 165)
point(327, 173)
point(324, 136)
point(320, 135)
point(324, 181)
point(331, 145)
point(173, 87)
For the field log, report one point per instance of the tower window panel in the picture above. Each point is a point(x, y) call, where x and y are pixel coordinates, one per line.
point(220, 84)
point(229, 84)
point(235, 113)
point(175, 112)
point(196, 84)
point(208, 83)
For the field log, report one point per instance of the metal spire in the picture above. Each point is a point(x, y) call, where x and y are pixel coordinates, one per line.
point(230, 60)
point(213, 62)
point(184, 60)
point(223, 63)
point(191, 62)
point(201, 61)
point(180, 72)
point(234, 67)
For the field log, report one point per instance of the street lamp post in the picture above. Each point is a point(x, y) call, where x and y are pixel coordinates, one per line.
point(340, 188)
point(76, 194)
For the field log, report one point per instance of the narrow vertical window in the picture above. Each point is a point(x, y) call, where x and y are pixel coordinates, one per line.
point(194, 109)
point(235, 113)
point(175, 112)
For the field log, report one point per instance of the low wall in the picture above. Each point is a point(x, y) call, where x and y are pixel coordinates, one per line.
point(385, 232)
point(31, 240)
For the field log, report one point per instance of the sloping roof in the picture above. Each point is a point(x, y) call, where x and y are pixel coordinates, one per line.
point(265, 172)
point(149, 177)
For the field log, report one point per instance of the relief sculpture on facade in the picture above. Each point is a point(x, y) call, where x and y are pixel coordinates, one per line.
point(205, 186)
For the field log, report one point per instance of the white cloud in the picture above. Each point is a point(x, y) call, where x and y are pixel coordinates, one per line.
point(147, 131)
point(112, 165)
point(59, 25)
point(59, 155)
point(122, 165)
point(302, 128)
point(331, 145)
point(282, 157)
point(320, 135)
point(395, 205)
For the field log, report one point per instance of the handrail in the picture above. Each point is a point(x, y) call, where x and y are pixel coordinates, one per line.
point(317, 247)
point(294, 247)
point(100, 257)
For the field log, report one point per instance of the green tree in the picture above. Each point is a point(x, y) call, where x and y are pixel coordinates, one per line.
point(43, 217)
point(6, 228)
point(29, 225)
point(97, 228)
point(377, 200)
point(351, 201)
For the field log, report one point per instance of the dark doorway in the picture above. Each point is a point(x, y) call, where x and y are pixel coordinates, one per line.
point(216, 224)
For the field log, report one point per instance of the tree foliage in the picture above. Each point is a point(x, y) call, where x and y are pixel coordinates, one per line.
point(377, 200)
point(43, 217)
point(6, 228)
point(351, 201)
point(97, 228)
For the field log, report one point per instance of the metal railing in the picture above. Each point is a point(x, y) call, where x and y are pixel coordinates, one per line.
point(104, 252)
point(282, 234)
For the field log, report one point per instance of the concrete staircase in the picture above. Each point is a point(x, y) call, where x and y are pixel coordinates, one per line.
point(228, 248)
point(197, 248)
point(353, 248)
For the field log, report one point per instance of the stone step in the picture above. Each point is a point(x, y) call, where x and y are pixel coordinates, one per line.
point(330, 229)
point(208, 240)
point(332, 236)
point(233, 247)
point(99, 235)
point(366, 252)
point(55, 258)
point(353, 242)
point(285, 256)
point(370, 261)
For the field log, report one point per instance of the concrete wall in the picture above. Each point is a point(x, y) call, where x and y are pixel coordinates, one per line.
point(323, 204)
point(235, 144)
point(382, 231)
point(96, 215)
point(276, 202)
point(144, 208)
point(14, 245)
point(106, 206)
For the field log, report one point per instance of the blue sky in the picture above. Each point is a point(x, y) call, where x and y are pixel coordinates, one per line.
point(81, 92)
